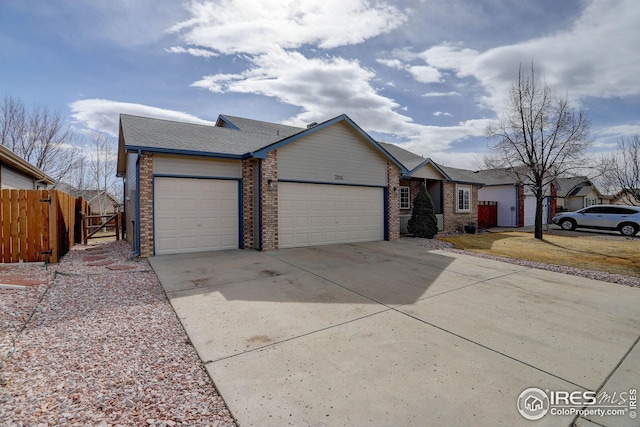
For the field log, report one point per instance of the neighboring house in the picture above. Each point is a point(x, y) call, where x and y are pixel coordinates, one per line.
point(516, 203)
point(100, 202)
point(627, 198)
point(17, 173)
point(454, 191)
point(251, 184)
point(578, 192)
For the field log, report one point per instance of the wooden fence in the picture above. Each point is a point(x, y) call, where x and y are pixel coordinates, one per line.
point(39, 225)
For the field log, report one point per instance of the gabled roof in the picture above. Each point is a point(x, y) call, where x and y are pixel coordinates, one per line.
point(232, 137)
point(167, 136)
point(88, 195)
point(412, 162)
point(257, 126)
point(501, 176)
point(573, 186)
point(16, 162)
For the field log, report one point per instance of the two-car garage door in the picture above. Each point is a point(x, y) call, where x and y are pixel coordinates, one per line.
point(194, 215)
point(320, 214)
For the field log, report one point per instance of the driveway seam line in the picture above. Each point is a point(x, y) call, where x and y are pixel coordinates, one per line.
point(273, 344)
point(490, 349)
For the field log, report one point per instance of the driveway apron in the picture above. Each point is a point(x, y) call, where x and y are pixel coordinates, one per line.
point(389, 333)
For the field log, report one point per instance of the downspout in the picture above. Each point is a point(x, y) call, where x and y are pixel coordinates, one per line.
point(137, 231)
point(517, 218)
point(260, 205)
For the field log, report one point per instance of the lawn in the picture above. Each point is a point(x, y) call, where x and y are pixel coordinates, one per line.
point(620, 256)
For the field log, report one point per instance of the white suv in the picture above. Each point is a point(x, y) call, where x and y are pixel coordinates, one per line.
point(625, 219)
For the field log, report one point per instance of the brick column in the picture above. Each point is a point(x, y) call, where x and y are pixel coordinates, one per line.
point(269, 199)
point(520, 205)
point(247, 203)
point(553, 205)
point(393, 202)
point(146, 204)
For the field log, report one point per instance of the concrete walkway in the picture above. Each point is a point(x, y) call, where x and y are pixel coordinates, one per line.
point(390, 334)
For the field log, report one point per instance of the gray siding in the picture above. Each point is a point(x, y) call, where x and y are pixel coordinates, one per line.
point(12, 179)
point(336, 154)
point(194, 166)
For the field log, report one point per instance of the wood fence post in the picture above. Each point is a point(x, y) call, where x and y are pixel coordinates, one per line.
point(53, 226)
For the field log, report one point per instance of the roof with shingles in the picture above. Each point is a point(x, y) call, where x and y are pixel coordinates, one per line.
point(159, 134)
point(412, 162)
point(573, 186)
point(260, 127)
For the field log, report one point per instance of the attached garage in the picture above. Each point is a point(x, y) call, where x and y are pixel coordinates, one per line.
point(194, 215)
point(530, 211)
point(321, 214)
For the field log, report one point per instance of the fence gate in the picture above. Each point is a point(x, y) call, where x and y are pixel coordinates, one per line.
point(487, 214)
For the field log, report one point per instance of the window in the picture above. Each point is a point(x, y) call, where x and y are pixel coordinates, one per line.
point(405, 201)
point(463, 198)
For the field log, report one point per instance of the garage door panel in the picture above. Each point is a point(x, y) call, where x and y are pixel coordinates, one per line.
point(195, 215)
point(329, 214)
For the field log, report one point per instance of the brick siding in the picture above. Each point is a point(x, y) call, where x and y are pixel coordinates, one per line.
point(269, 200)
point(146, 204)
point(247, 203)
point(455, 221)
point(393, 202)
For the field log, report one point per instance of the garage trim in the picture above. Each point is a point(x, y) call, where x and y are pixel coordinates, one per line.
point(221, 178)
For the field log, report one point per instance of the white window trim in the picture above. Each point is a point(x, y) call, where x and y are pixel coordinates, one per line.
point(408, 205)
point(457, 205)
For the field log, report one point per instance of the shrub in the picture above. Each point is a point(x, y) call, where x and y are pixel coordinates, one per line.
point(423, 222)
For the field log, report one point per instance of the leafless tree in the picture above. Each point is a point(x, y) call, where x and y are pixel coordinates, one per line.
point(538, 138)
point(620, 170)
point(102, 169)
point(40, 136)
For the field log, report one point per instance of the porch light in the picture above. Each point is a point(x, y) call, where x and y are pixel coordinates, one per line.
point(396, 190)
point(271, 184)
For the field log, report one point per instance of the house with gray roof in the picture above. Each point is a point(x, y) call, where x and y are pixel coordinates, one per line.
point(578, 192)
point(18, 174)
point(245, 183)
point(454, 191)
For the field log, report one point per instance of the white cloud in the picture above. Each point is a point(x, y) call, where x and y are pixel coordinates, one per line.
point(393, 63)
point(440, 94)
point(597, 57)
point(247, 26)
point(440, 113)
point(204, 53)
point(102, 115)
point(425, 74)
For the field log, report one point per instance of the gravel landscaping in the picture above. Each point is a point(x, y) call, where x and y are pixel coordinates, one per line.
point(99, 347)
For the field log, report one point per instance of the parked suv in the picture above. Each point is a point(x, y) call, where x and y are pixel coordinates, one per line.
point(625, 219)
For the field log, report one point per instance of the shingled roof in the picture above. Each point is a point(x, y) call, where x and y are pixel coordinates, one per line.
point(258, 126)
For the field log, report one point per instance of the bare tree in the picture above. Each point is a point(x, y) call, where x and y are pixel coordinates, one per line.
point(40, 136)
point(102, 169)
point(538, 138)
point(620, 170)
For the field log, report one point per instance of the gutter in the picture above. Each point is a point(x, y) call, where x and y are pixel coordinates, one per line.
point(137, 230)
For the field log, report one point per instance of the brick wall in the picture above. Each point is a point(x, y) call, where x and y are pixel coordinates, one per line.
point(554, 200)
point(247, 203)
point(269, 200)
point(146, 205)
point(455, 221)
point(393, 202)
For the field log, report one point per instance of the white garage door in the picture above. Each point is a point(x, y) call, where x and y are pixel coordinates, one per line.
point(192, 215)
point(318, 214)
point(530, 211)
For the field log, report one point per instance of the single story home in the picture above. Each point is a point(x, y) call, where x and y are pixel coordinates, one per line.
point(454, 191)
point(251, 184)
point(18, 174)
point(627, 197)
point(578, 192)
point(100, 202)
point(515, 202)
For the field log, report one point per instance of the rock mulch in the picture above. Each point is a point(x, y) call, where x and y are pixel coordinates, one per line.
point(100, 347)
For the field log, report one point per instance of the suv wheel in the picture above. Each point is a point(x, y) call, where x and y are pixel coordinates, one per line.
point(567, 224)
point(628, 229)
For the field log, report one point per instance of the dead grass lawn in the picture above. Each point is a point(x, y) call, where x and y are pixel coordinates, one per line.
point(613, 256)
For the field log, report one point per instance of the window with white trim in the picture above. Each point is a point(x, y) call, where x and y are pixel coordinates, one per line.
point(405, 198)
point(463, 198)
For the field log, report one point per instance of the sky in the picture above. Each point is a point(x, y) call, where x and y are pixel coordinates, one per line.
point(428, 75)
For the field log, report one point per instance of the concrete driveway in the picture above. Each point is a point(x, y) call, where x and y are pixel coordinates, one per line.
point(390, 334)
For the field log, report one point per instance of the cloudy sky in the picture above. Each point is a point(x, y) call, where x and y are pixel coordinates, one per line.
point(429, 74)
